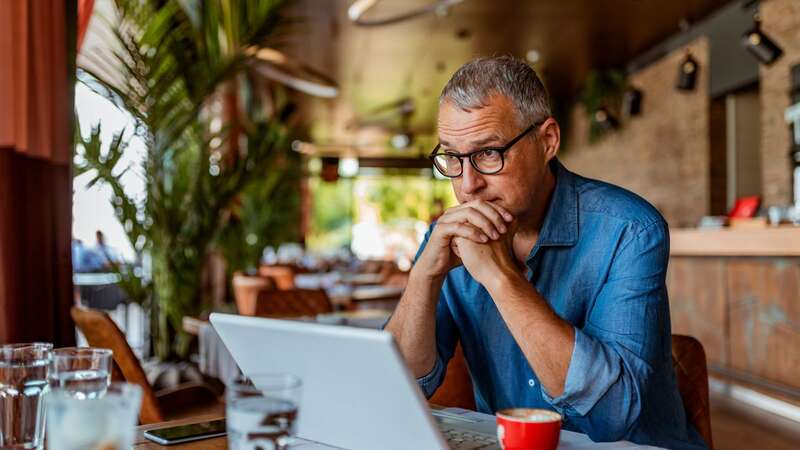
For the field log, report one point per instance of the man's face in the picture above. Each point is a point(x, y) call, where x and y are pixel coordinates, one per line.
point(494, 125)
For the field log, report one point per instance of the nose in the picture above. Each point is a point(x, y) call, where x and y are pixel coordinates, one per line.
point(471, 181)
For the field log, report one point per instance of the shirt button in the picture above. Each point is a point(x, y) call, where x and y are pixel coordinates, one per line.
point(531, 382)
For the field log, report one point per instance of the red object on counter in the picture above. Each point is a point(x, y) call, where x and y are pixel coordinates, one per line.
point(745, 207)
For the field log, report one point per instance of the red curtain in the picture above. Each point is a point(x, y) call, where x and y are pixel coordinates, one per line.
point(37, 68)
point(85, 8)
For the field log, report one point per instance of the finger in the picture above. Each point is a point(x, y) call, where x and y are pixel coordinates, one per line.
point(463, 230)
point(454, 247)
point(503, 212)
point(493, 214)
point(475, 218)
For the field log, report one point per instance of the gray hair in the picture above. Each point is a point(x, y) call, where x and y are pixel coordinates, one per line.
point(473, 84)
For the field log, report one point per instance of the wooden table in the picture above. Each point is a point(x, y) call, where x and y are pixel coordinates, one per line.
point(568, 440)
point(360, 279)
point(220, 443)
point(375, 297)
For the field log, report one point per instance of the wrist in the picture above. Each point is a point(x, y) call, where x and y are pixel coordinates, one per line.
point(419, 274)
point(504, 278)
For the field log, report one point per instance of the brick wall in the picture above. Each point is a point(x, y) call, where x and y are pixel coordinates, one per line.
point(781, 22)
point(662, 154)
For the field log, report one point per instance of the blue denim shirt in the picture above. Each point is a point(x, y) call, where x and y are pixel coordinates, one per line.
point(600, 261)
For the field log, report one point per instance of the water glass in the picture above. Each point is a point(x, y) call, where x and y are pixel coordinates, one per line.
point(262, 411)
point(83, 371)
point(23, 386)
point(106, 422)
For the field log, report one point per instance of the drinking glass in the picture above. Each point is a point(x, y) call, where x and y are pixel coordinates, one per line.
point(23, 386)
point(102, 422)
point(262, 411)
point(83, 371)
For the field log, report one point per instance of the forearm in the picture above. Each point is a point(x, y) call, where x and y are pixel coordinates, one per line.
point(545, 339)
point(413, 323)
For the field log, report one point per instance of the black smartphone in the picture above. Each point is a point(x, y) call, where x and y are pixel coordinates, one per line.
point(186, 433)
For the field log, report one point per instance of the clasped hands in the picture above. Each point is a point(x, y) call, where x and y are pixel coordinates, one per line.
point(478, 234)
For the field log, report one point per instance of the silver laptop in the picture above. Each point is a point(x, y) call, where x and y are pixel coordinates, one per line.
point(357, 392)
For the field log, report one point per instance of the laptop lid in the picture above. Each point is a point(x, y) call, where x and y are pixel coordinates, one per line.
point(357, 392)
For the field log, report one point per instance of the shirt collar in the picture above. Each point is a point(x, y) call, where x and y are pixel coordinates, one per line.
point(560, 226)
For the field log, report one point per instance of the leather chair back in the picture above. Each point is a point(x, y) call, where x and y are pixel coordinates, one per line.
point(689, 361)
point(102, 332)
point(290, 303)
point(456, 389)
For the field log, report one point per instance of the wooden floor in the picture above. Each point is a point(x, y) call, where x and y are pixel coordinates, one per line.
point(737, 427)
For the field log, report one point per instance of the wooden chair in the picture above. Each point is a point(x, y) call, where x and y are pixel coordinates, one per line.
point(688, 360)
point(288, 303)
point(396, 279)
point(387, 268)
point(456, 389)
point(246, 289)
point(185, 400)
point(371, 266)
point(282, 275)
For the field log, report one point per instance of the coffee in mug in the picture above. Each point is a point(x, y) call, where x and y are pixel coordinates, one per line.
point(528, 429)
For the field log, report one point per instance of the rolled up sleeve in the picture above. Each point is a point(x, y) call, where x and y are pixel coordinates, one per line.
point(430, 382)
point(626, 336)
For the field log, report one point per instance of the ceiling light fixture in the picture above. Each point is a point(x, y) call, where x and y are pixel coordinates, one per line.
point(357, 9)
point(348, 167)
point(764, 49)
point(632, 102)
point(277, 66)
point(401, 141)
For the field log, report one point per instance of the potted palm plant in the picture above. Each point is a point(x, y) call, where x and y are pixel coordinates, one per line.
point(171, 64)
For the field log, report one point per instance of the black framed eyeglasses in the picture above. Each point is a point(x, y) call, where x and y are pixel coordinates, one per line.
point(488, 161)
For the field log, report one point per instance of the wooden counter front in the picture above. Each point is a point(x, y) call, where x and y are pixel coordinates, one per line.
point(771, 241)
point(738, 292)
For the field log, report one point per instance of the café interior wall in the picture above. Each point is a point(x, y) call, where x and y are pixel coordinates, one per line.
point(661, 154)
point(781, 22)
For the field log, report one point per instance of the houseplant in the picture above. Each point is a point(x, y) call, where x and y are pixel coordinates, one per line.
point(171, 64)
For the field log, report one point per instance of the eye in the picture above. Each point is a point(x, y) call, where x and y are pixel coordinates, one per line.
point(488, 155)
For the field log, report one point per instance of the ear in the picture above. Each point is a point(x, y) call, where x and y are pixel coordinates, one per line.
point(550, 137)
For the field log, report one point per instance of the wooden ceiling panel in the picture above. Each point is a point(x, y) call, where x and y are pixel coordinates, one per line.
point(378, 65)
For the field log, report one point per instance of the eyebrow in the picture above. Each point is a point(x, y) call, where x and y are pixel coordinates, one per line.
point(476, 144)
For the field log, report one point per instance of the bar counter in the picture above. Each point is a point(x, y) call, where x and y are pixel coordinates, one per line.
point(738, 292)
point(771, 241)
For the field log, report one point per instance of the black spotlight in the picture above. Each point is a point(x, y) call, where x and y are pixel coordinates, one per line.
point(759, 45)
point(795, 92)
point(632, 103)
point(687, 73)
point(604, 119)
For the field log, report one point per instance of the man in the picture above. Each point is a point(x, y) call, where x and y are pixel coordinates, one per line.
point(99, 258)
point(78, 251)
point(553, 283)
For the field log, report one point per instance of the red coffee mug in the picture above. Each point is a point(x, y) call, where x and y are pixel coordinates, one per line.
point(528, 429)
